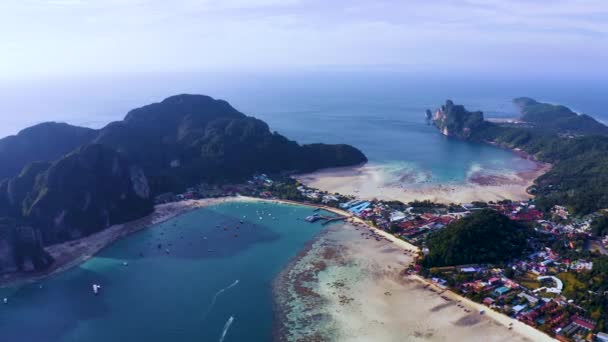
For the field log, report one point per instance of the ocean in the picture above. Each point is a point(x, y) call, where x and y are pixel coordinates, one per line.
point(215, 284)
point(381, 113)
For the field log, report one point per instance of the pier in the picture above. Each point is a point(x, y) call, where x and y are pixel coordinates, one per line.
point(326, 219)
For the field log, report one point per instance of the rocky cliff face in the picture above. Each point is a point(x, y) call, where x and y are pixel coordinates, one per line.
point(88, 190)
point(454, 120)
point(21, 248)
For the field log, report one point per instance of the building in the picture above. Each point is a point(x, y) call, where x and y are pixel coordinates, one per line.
point(488, 301)
point(397, 216)
point(531, 299)
point(518, 308)
point(501, 290)
point(584, 323)
point(601, 337)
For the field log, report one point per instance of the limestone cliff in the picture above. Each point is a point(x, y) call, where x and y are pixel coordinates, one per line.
point(21, 248)
point(455, 121)
point(86, 191)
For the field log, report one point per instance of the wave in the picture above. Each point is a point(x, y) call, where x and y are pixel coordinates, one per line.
point(217, 294)
point(226, 327)
point(474, 169)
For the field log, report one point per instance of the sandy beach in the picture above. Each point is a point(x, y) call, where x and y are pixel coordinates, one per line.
point(349, 285)
point(369, 181)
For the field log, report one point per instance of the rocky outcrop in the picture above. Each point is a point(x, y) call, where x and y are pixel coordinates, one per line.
point(82, 193)
point(21, 248)
point(455, 121)
point(88, 190)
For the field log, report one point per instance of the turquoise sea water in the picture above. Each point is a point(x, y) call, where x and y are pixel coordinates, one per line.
point(187, 295)
point(382, 113)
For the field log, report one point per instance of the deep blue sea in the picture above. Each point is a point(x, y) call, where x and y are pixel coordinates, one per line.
point(379, 112)
point(210, 278)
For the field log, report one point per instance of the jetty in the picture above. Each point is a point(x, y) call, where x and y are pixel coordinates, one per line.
point(326, 219)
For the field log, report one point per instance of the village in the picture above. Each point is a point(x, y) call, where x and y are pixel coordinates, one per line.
point(541, 289)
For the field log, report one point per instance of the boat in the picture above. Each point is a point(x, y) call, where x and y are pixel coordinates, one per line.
point(96, 288)
point(5, 300)
point(313, 218)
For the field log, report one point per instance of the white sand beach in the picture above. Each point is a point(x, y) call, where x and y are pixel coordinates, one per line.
point(361, 292)
point(369, 181)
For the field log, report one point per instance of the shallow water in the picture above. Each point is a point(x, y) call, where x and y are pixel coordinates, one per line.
point(190, 294)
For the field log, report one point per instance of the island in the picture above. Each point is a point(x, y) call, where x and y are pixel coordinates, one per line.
point(60, 183)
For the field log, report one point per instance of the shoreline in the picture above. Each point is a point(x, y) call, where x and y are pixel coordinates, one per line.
point(71, 254)
point(349, 285)
point(369, 181)
point(533, 333)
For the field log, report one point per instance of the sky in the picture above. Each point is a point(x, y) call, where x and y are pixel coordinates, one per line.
point(69, 37)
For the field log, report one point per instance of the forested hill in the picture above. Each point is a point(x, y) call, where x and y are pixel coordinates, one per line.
point(483, 237)
point(43, 142)
point(60, 182)
point(578, 178)
point(179, 141)
point(558, 118)
point(189, 138)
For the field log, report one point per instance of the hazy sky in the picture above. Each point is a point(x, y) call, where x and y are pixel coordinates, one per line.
point(101, 36)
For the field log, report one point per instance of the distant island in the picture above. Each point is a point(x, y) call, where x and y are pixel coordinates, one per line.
point(576, 145)
point(558, 118)
point(60, 182)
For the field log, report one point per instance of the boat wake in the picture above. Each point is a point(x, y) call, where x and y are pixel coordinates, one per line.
point(226, 327)
point(217, 294)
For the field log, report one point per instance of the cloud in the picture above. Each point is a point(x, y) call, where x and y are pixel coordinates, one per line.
point(124, 35)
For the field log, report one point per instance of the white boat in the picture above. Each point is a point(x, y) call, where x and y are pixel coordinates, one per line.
point(96, 289)
point(5, 300)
